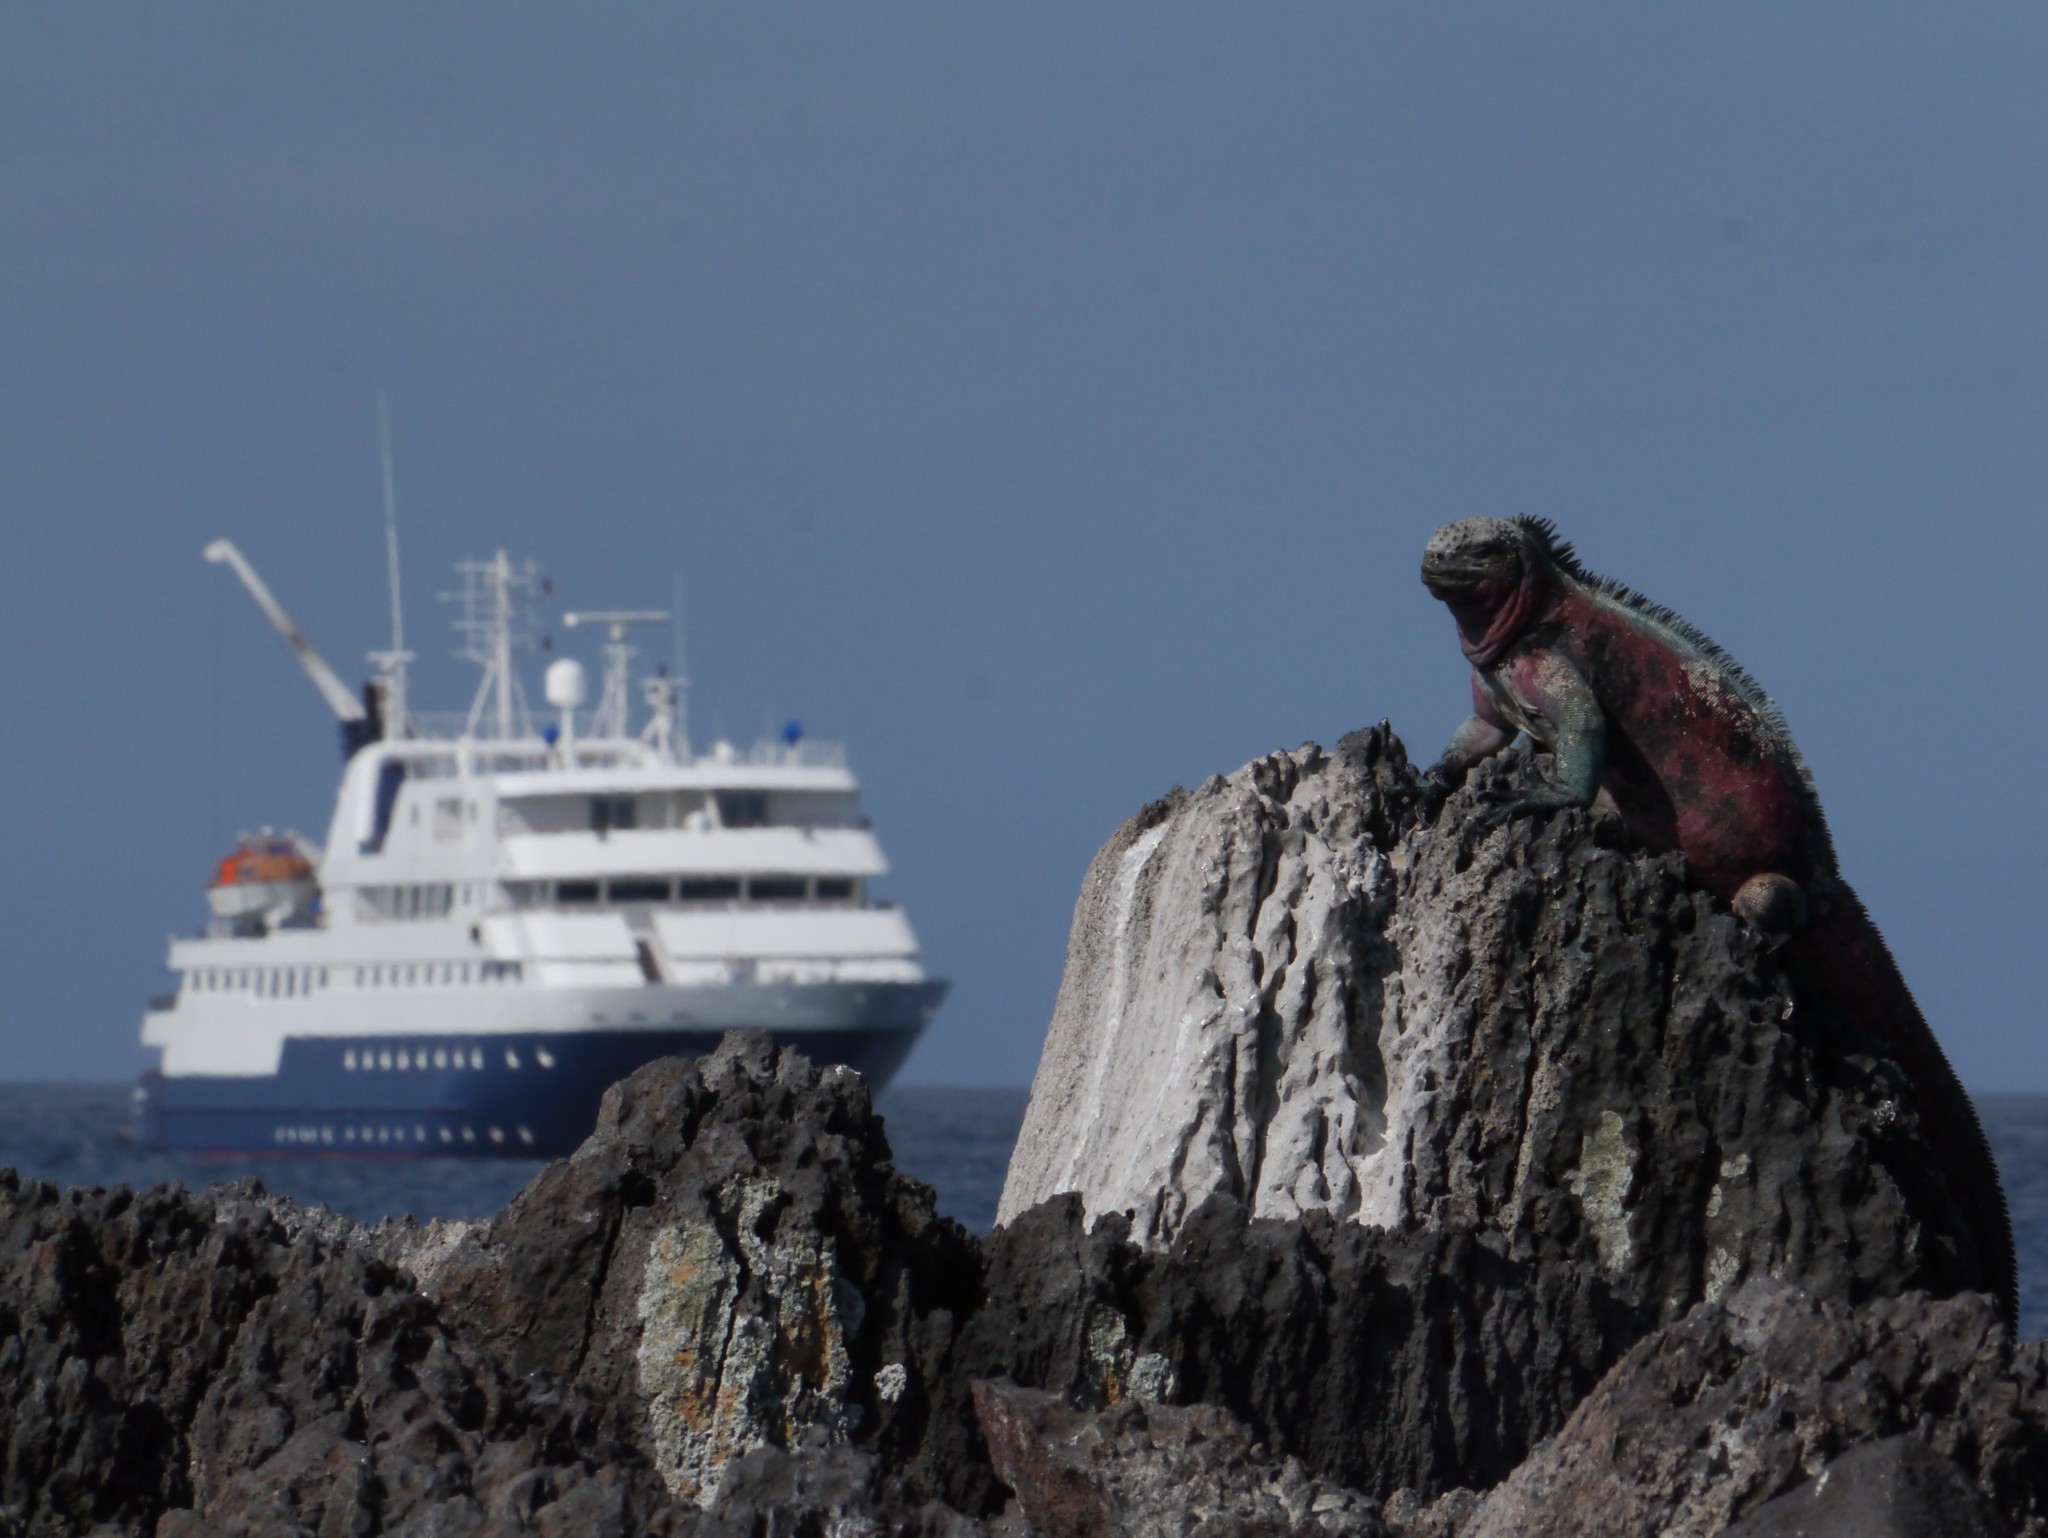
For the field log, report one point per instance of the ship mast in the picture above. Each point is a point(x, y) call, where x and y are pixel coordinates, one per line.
point(391, 663)
point(618, 658)
point(492, 627)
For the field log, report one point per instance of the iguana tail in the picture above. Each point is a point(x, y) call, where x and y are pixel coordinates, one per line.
point(1842, 962)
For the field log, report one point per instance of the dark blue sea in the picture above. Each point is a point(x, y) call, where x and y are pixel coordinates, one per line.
point(958, 1140)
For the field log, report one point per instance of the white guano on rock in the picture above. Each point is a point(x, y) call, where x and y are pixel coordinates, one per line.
point(1220, 1023)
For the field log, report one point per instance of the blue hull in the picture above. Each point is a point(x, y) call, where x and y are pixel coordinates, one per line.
point(531, 1095)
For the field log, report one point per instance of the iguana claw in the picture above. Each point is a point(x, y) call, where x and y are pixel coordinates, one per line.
point(1507, 810)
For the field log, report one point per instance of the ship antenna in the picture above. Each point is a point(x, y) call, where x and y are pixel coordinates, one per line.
point(682, 679)
point(391, 664)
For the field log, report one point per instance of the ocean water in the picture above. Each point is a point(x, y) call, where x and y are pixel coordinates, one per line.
point(958, 1140)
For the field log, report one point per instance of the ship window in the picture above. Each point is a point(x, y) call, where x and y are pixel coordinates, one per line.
point(638, 890)
point(835, 889)
point(575, 891)
point(776, 889)
point(711, 889)
point(743, 809)
point(608, 812)
point(412, 975)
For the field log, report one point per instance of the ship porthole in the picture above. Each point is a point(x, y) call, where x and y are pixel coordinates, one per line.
point(511, 1058)
point(526, 1134)
point(404, 1058)
point(383, 1059)
point(440, 1057)
point(447, 1136)
point(544, 1057)
point(476, 1057)
point(497, 1134)
point(348, 1060)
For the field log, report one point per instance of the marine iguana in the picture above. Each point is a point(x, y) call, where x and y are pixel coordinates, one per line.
point(1643, 714)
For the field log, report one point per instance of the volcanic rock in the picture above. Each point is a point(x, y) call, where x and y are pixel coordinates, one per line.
point(1369, 1140)
point(730, 1263)
point(1292, 989)
point(1757, 1407)
point(1155, 1471)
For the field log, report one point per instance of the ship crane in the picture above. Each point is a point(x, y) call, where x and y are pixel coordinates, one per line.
point(356, 725)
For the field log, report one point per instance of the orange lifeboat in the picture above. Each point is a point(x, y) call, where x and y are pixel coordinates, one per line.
point(266, 876)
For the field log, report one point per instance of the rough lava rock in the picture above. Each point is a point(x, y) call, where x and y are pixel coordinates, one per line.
point(1741, 1410)
point(1385, 1172)
point(1292, 989)
point(1161, 1471)
point(729, 1264)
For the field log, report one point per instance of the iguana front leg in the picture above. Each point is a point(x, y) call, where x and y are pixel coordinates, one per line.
point(1483, 734)
point(1559, 710)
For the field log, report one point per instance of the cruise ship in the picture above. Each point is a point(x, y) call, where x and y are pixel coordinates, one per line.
point(516, 907)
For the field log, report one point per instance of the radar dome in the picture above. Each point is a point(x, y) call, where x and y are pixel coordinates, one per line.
point(564, 684)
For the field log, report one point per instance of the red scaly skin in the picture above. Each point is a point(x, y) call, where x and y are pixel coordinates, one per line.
point(1649, 719)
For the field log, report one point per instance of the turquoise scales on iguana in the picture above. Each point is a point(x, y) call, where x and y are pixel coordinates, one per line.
point(1648, 717)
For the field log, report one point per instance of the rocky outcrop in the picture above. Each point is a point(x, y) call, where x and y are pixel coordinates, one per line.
point(729, 1265)
point(1388, 1172)
point(1292, 989)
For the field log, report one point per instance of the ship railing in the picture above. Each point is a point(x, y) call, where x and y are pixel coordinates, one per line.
point(768, 752)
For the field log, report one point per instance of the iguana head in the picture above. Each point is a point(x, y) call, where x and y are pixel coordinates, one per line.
point(1493, 575)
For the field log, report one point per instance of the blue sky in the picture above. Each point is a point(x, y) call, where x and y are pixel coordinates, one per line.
point(1051, 402)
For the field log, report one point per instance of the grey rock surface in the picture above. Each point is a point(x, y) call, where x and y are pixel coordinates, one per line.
point(1897, 1488)
point(1291, 989)
point(1144, 1470)
point(1424, 1360)
point(1735, 1413)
